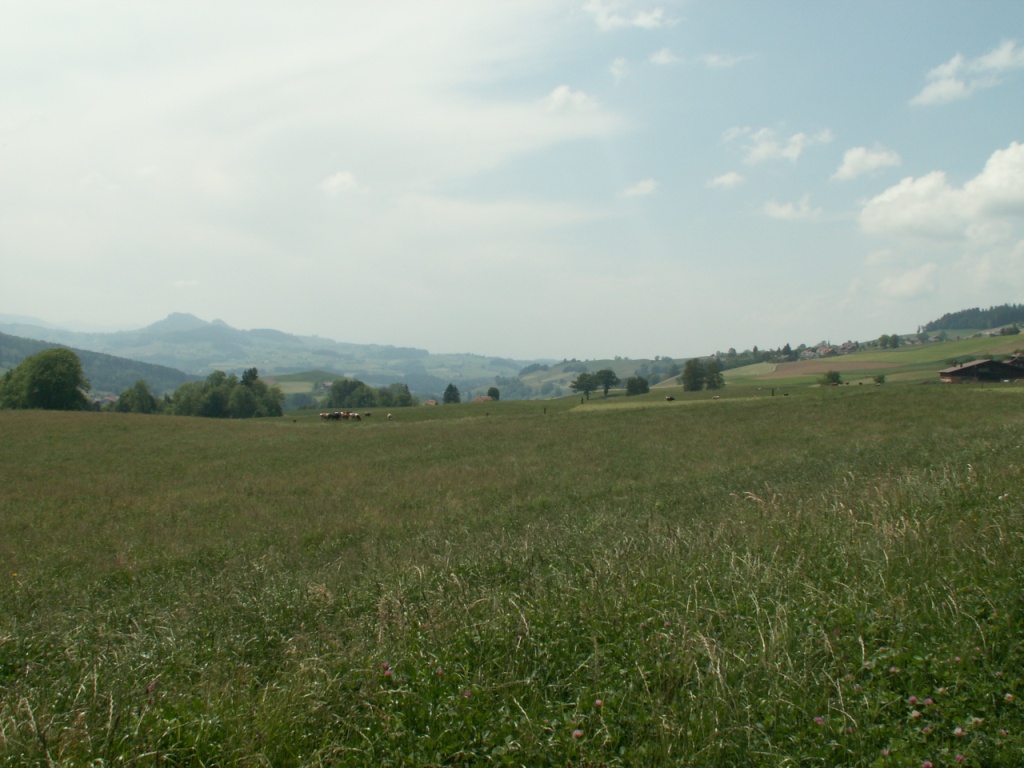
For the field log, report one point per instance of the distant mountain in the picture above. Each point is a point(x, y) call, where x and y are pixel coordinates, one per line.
point(197, 347)
point(107, 374)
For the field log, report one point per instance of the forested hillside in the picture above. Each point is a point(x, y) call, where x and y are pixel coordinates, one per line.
point(106, 373)
point(976, 318)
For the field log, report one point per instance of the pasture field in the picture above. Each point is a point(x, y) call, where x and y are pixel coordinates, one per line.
point(916, 363)
point(831, 578)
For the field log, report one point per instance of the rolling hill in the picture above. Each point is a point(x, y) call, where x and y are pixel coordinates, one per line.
point(182, 347)
point(197, 348)
point(108, 374)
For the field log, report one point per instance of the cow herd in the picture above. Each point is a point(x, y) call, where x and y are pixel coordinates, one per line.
point(343, 416)
point(346, 416)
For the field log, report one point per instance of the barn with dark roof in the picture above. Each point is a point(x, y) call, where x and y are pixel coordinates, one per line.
point(983, 370)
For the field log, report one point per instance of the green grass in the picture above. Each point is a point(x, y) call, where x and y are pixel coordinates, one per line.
point(917, 363)
point(830, 578)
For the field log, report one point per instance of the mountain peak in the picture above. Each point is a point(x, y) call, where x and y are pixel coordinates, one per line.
point(178, 321)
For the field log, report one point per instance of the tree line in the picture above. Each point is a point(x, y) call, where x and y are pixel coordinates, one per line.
point(352, 393)
point(977, 318)
point(223, 396)
point(54, 380)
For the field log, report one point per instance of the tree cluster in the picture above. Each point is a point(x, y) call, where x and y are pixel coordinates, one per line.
point(222, 396)
point(831, 379)
point(701, 374)
point(586, 383)
point(137, 399)
point(50, 380)
point(637, 385)
point(890, 341)
point(976, 318)
point(352, 393)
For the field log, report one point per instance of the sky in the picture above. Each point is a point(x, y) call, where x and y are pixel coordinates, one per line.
point(519, 178)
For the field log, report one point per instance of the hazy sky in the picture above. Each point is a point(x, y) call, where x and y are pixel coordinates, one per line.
point(523, 178)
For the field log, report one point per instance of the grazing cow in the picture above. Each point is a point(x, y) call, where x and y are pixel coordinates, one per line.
point(390, 417)
point(669, 398)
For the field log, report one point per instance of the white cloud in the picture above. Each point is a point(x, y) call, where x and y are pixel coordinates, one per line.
point(339, 183)
point(959, 77)
point(860, 160)
point(641, 188)
point(616, 14)
point(564, 99)
point(723, 61)
point(619, 68)
point(765, 143)
point(999, 189)
point(792, 211)
point(726, 181)
point(924, 207)
point(911, 284)
point(931, 207)
point(942, 91)
point(664, 57)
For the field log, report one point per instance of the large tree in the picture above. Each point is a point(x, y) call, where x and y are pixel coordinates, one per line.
point(713, 378)
point(606, 379)
point(585, 383)
point(637, 385)
point(137, 399)
point(51, 380)
point(451, 395)
point(694, 375)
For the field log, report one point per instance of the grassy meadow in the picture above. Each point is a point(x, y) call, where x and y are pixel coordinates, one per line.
point(830, 578)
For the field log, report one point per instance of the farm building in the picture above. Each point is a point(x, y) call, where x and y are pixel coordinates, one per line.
point(983, 370)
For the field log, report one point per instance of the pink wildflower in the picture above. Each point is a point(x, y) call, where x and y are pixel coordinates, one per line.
point(599, 703)
point(915, 714)
point(959, 758)
point(819, 720)
point(577, 734)
point(927, 764)
point(1008, 697)
point(958, 731)
point(912, 700)
point(928, 702)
